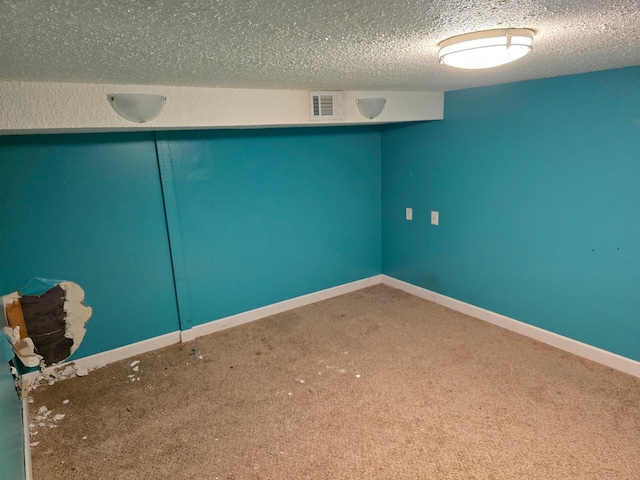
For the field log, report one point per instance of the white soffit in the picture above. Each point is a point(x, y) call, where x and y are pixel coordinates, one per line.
point(297, 44)
point(32, 107)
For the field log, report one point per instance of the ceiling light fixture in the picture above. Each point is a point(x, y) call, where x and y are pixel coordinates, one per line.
point(486, 49)
point(371, 107)
point(137, 107)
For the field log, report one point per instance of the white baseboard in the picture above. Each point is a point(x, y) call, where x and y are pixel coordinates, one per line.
point(187, 335)
point(274, 308)
point(595, 354)
point(28, 471)
point(127, 351)
point(110, 356)
point(584, 350)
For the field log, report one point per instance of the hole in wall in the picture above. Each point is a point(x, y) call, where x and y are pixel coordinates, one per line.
point(45, 321)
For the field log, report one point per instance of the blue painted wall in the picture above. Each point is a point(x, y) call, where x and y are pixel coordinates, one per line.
point(88, 208)
point(262, 215)
point(538, 187)
point(11, 431)
point(267, 215)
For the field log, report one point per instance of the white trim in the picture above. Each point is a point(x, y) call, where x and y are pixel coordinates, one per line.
point(187, 335)
point(127, 351)
point(110, 356)
point(49, 107)
point(274, 308)
point(28, 471)
point(589, 352)
point(584, 350)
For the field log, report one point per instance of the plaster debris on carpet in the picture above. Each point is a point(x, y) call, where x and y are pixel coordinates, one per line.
point(44, 418)
point(135, 366)
point(51, 375)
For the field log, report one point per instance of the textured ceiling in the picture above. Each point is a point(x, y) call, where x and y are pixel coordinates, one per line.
point(303, 44)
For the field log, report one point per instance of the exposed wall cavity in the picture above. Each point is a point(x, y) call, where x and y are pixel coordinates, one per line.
point(45, 321)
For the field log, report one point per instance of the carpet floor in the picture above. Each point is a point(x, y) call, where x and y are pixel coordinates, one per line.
point(375, 384)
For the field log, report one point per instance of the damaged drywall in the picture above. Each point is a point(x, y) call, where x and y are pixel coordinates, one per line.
point(51, 375)
point(45, 321)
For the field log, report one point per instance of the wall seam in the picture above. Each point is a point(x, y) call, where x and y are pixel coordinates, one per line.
point(167, 185)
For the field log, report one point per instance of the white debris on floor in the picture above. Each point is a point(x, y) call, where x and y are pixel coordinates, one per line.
point(51, 375)
point(45, 419)
point(135, 366)
point(339, 370)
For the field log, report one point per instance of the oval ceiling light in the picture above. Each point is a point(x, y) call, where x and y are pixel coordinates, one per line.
point(371, 107)
point(486, 49)
point(137, 107)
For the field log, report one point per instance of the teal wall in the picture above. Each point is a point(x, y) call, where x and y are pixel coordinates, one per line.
point(11, 431)
point(260, 216)
point(538, 187)
point(267, 215)
point(88, 208)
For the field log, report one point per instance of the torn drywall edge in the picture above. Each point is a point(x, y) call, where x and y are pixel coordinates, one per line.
point(37, 286)
point(78, 314)
point(23, 348)
point(9, 298)
point(12, 334)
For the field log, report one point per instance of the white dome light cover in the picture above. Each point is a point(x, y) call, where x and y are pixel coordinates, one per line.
point(137, 107)
point(371, 107)
point(487, 49)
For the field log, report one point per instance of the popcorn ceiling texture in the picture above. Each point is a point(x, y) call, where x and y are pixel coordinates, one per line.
point(289, 44)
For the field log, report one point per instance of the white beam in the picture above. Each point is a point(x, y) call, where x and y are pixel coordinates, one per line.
point(31, 107)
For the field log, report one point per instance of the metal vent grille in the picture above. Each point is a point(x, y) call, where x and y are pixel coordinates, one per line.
point(322, 105)
point(325, 105)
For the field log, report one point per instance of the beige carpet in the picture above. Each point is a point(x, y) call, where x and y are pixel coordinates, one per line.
point(374, 384)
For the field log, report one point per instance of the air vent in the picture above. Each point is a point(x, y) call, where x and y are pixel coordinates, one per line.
point(325, 105)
